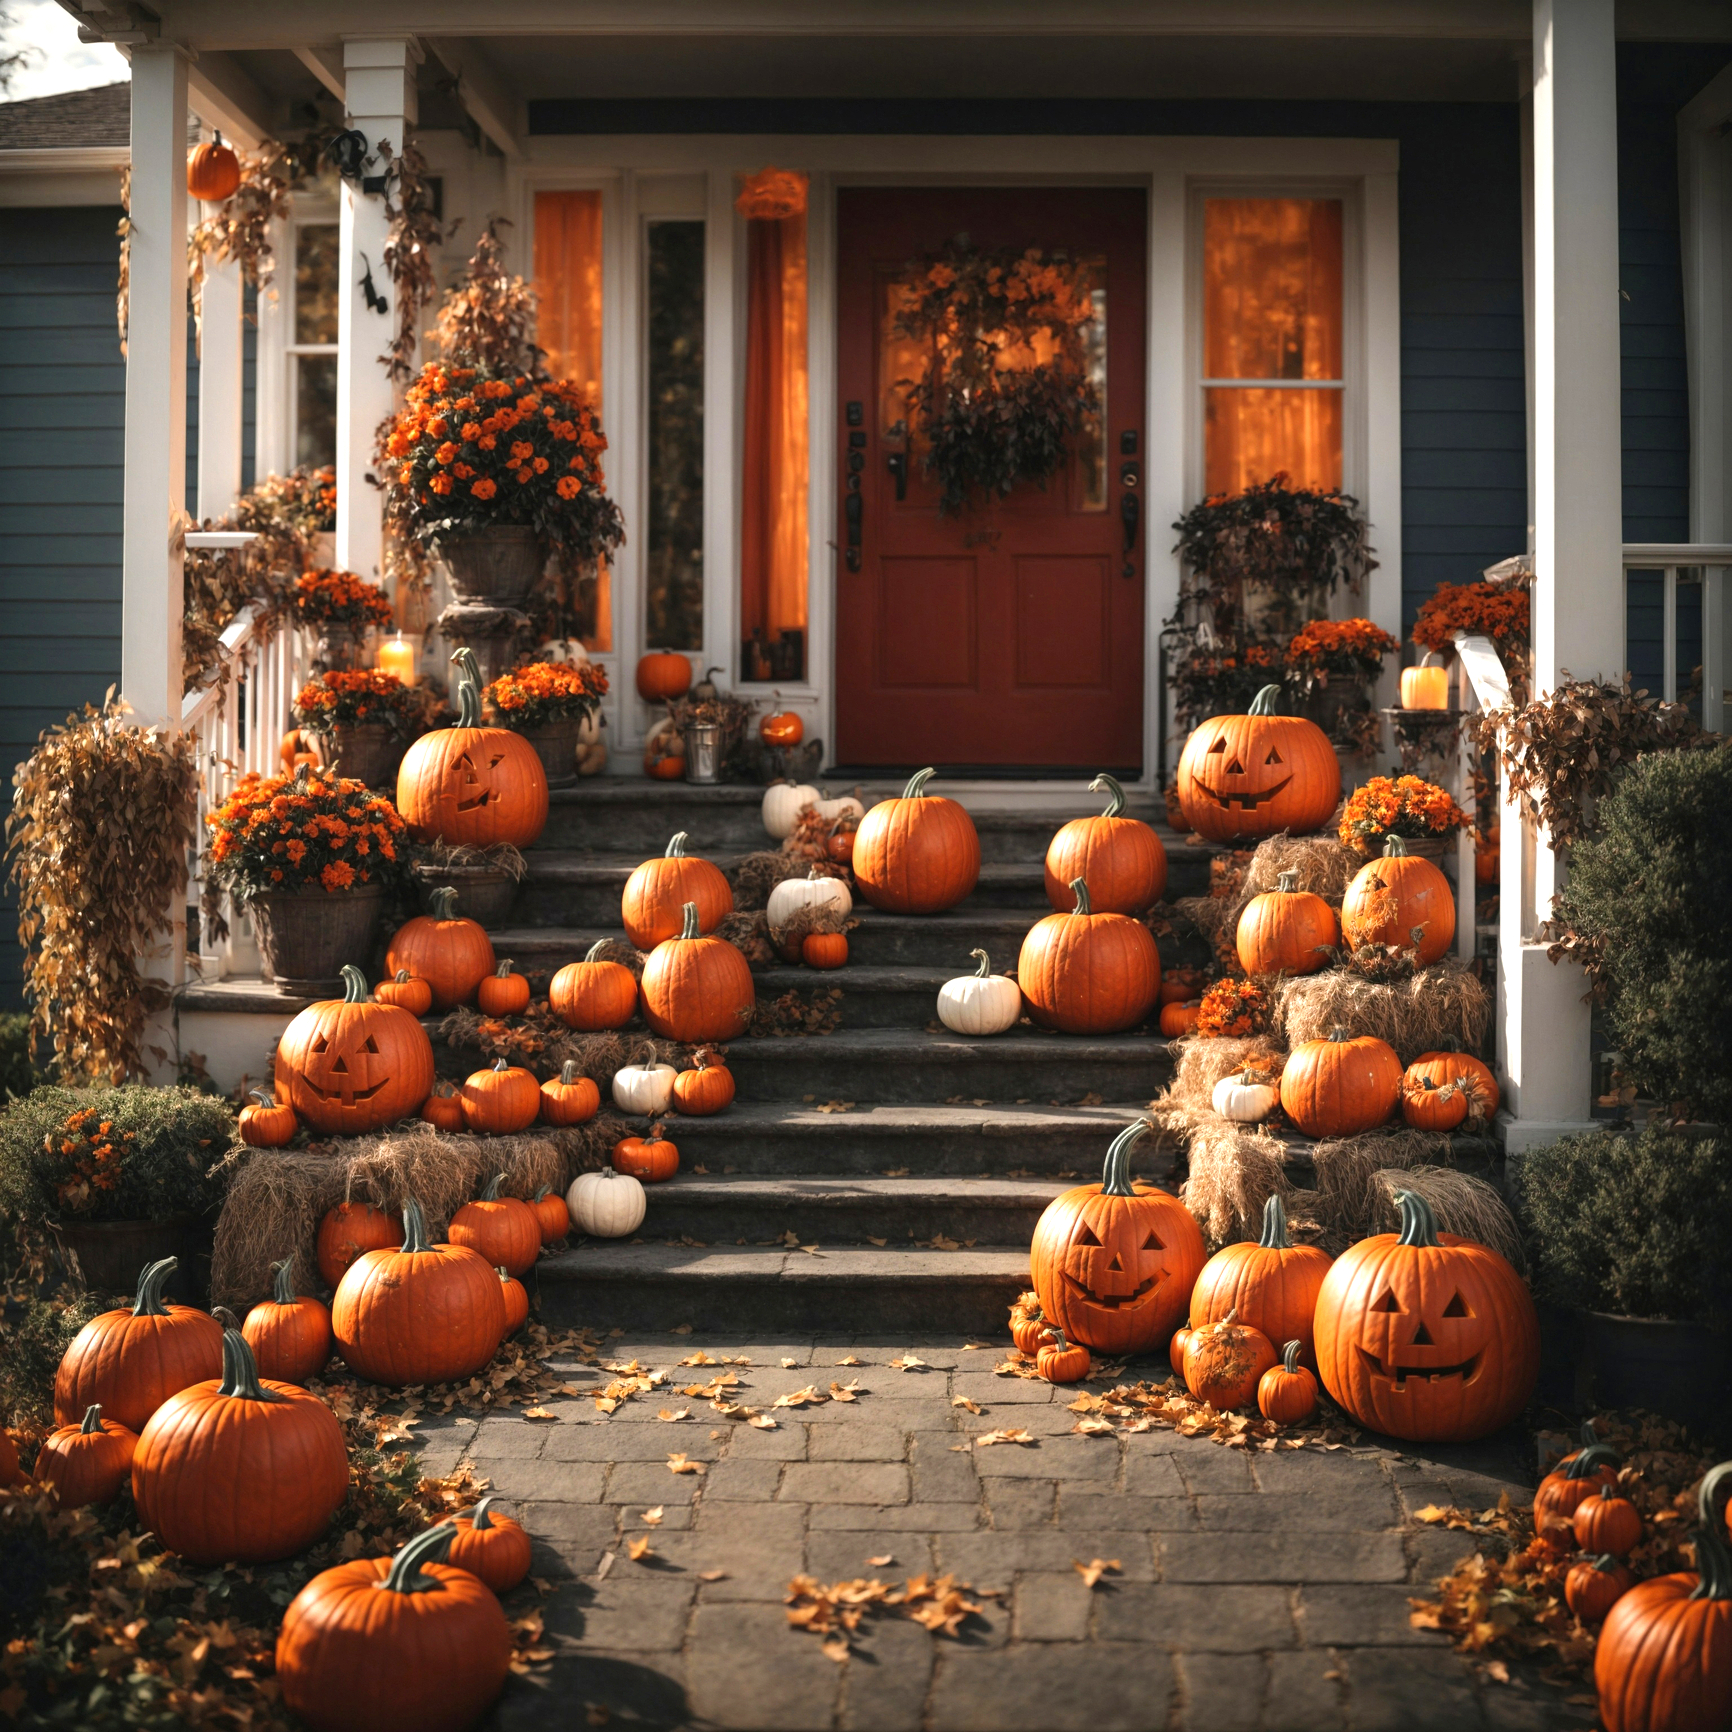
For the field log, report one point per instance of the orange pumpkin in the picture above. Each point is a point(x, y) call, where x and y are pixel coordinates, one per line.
point(408, 991)
point(1430, 1106)
point(594, 994)
point(1604, 1523)
point(289, 1333)
point(503, 1231)
point(919, 854)
point(451, 953)
point(1664, 1659)
point(662, 675)
point(503, 993)
point(1225, 1362)
point(1121, 858)
point(1176, 1350)
point(130, 1361)
point(1272, 1285)
point(1182, 985)
point(1286, 930)
point(1114, 1263)
point(824, 949)
point(1061, 1361)
point(1487, 856)
point(1581, 1473)
point(349, 1230)
point(652, 907)
point(1179, 1020)
point(1088, 973)
point(424, 1313)
point(1287, 1393)
point(495, 1548)
point(1248, 776)
point(1424, 1336)
point(781, 728)
point(696, 988)
point(1595, 1585)
point(551, 1215)
point(516, 1297)
point(569, 1098)
point(1028, 1325)
point(348, 1066)
point(704, 1089)
point(298, 747)
point(443, 1109)
point(472, 785)
point(1401, 900)
point(1483, 1098)
point(267, 1126)
point(213, 171)
point(501, 1101)
point(649, 1159)
point(1340, 1086)
point(86, 1463)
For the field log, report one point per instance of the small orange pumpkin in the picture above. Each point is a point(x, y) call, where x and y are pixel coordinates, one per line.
point(503, 993)
point(502, 1230)
point(267, 1126)
point(551, 1215)
point(1286, 930)
point(1483, 1098)
point(1061, 1361)
point(1604, 1523)
point(1287, 1393)
point(1088, 973)
point(1182, 985)
point(1581, 1473)
point(501, 1101)
point(1400, 900)
point(569, 1098)
point(649, 1159)
point(662, 675)
point(704, 1089)
point(824, 949)
point(696, 988)
point(1121, 858)
point(407, 991)
point(213, 171)
point(781, 728)
point(594, 994)
point(450, 952)
point(1595, 1585)
point(86, 1463)
point(443, 1109)
point(1179, 1020)
point(348, 1231)
point(1225, 1362)
point(516, 1297)
point(289, 1333)
point(1176, 1350)
point(495, 1548)
point(1028, 1327)
point(1430, 1106)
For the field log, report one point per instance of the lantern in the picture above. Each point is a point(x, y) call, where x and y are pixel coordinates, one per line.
point(1426, 687)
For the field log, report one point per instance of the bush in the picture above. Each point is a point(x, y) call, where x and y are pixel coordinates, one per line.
point(38, 1332)
point(18, 1072)
point(1648, 913)
point(1634, 1225)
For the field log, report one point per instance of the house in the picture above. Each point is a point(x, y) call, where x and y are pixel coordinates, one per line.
point(1507, 225)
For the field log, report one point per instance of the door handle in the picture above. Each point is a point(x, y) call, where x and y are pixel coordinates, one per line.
point(853, 510)
point(1131, 510)
point(897, 463)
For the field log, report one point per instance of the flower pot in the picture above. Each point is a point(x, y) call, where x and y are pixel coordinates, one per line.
point(498, 565)
point(484, 893)
point(305, 936)
point(368, 751)
point(1333, 707)
point(556, 744)
point(1680, 1370)
point(106, 1256)
point(340, 647)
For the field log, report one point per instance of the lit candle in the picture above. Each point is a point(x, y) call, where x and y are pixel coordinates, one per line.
point(1425, 687)
point(397, 656)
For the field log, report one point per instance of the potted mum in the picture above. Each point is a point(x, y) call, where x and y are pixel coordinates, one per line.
point(1333, 665)
point(312, 856)
point(342, 608)
point(362, 719)
point(1419, 812)
point(552, 705)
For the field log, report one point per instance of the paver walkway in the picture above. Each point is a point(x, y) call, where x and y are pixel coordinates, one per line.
point(1256, 1591)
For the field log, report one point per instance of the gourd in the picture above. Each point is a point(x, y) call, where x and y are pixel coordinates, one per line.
point(653, 903)
point(1581, 1473)
point(1179, 1020)
point(1088, 973)
point(1121, 858)
point(289, 1333)
point(502, 1100)
point(1604, 1523)
point(500, 1229)
point(607, 1204)
point(1483, 1096)
point(663, 674)
point(451, 953)
point(919, 854)
point(981, 1003)
point(569, 1098)
point(644, 1090)
point(348, 1066)
point(696, 988)
point(1246, 1097)
point(1225, 1362)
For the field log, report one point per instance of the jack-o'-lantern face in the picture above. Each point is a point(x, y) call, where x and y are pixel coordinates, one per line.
point(344, 1075)
point(1225, 778)
point(472, 777)
point(347, 1066)
point(1420, 1340)
point(1251, 775)
point(1121, 1272)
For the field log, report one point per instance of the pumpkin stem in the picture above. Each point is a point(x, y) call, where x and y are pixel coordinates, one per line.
point(468, 689)
point(406, 1575)
point(689, 920)
point(596, 949)
point(402, 976)
point(543, 1191)
point(92, 1419)
point(149, 1303)
point(1418, 1223)
point(1111, 785)
point(241, 1371)
point(263, 1097)
point(354, 984)
point(481, 1520)
point(676, 849)
point(491, 1194)
point(1229, 1320)
point(1116, 1175)
point(1605, 1563)
point(916, 789)
point(442, 902)
point(504, 968)
point(1290, 1358)
point(1588, 1461)
point(414, 1227)
point(1059, 1344)
point(1287, 882)
point(1264, 702)
point(283, 1281)
point(1339, 1034)
point(984, 971)
point(568, 1072)
point(1713, 1551)
point(1275, 1234)
point(1394, 848)
point(1080, 891)
point(225, 1317)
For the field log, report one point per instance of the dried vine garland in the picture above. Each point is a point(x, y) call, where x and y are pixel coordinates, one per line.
point(488, 320)
point(97, 838)
point(240, 229)
point(415, 234)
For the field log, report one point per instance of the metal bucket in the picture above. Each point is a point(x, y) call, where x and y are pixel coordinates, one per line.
point(703, 751)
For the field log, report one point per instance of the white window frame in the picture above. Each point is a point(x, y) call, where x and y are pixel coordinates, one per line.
point(274, 428)
point(308, 214)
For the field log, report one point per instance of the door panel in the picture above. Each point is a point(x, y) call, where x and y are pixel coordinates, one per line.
point(1009, 636)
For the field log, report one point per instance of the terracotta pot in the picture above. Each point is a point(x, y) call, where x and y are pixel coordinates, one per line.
point(484, 893)
point(498, 565)
point(305, 936)
point(368, 751)
point(106, 1256)
point(555, 744)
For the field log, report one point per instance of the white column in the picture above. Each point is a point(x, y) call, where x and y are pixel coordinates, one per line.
point(1578, 596)
point(220, 390)
point(379, 74)
point(155, 475)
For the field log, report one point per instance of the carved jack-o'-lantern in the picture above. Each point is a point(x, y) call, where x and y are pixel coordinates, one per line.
point(1114, 1263)
point(347, 1066)
point(1257, 774)
point(1425, 1336)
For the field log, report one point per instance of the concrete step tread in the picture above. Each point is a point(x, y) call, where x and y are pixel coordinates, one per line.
point(1029, 1045)
point(582, 866)
point(961, 926)
point(774, 1190)
point(804, 1121)
point(701, 1266)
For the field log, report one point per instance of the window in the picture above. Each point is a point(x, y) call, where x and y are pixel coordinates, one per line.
point(674, 389)
point(1272, 378)
point(312, 350)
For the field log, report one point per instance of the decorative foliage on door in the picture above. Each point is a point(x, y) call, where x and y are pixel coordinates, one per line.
point(1006, 386)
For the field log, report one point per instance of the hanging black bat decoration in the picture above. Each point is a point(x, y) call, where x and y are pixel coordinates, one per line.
point(376, 302)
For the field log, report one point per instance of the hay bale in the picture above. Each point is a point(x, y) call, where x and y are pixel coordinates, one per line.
point(1203, 1062)
point(755, 875)
point(541, 1043)
point(1438, 1007)
point(1464, 1205)
point(1347, 1169)
point(1234, 1170)
point(588, 1147)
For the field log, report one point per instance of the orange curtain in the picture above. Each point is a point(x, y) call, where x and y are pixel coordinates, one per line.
point(773, 522)
point(568, 288)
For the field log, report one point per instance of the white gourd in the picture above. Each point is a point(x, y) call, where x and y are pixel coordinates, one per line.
point(844, 806)
point(564, 649)
point(813, 891)
point(783, 802)
point(1244, 1097)
point(607, 1204)
point(643, 1089)
point(980, 1003)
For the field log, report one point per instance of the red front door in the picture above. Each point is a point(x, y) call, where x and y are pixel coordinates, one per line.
point(1010, 635)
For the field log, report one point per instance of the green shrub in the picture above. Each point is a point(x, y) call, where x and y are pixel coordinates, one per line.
point(37, 1333)
point(18, 1073)
point(1650, 914)
point(1635, 1225)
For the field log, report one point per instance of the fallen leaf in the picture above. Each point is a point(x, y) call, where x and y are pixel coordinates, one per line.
point(1012, 1434)
point(653, 1517)
point(1093, 1425)
point(879, 1562)
point(788, 1364)
point(699, 1358)
point(681, 1329)
point(762, 1421)
point(835, 1647)
point(908, 1363)
point(851, 1359)
point(712, 1575)
point(896, 1172)
point(871, 1239)
point(1094, 1569)
point(638, 1549)
point(674, 1414)
point(810, 1396)
point(1431, 1513)
point(965, 1401)
point(849, 1391)
point(1498, 1670)
point(679, 1463)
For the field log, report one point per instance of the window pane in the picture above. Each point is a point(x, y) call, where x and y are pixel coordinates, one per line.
point(315, 409)
point(316, 283)
point(1253, 433)
point(1645, 630)
point(674, 364)
point(1272, 288)
point(1689, 641)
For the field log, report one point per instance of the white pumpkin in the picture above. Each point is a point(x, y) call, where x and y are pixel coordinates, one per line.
point(845, 806)
point(643, 1089)
point(813, 891)
point(980, 1003)
point(564, 649)
point(1244, 1097)
point(606, 1205)
point(783, 803)
point(589, 729)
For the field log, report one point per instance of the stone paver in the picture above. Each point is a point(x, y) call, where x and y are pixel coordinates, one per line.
point(1259, 1591)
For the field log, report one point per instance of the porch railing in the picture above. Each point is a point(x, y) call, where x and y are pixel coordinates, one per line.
point(1675, 622)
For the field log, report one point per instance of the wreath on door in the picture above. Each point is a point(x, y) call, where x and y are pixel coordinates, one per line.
point(1006, 387)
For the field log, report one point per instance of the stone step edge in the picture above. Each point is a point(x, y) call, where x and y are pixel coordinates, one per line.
point(603, 1262)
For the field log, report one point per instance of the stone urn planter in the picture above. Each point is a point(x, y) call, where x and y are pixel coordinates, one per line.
point(497, 566)
point(340, 647)
point(1680, 1370)
point(106, 1256)
point(306, 936)
point(484, 893)
point(556, 745)
point(368, 751)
